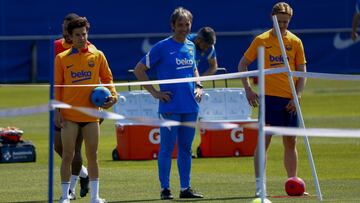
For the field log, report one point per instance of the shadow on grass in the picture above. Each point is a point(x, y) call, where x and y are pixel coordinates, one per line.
point(41, 201)
point(189, 200)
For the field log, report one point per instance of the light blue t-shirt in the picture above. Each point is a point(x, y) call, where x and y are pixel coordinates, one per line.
point(170, 60)
point(202, 57)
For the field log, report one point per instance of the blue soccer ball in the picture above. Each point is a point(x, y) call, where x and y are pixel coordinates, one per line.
point(100, 95)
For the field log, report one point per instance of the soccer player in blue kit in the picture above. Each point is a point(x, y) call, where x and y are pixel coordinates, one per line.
point(204, 41)
point(174, 57)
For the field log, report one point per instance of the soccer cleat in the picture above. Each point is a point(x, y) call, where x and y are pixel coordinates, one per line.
point(84, 186)
point(166, 194)
point(190, 193)
point(98, 200)
point(72, 195)
point(64, 200)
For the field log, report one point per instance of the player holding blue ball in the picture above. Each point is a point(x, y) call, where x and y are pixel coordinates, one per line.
point(82, 64)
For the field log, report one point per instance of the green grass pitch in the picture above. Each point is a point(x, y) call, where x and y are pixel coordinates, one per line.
point(325, 104)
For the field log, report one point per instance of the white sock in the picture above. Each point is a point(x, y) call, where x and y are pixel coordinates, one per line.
point(83, 172)
point(94, 189)
point(65, 190)
point(73, 182)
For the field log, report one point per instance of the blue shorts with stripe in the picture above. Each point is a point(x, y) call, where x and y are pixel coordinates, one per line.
point(276, 113)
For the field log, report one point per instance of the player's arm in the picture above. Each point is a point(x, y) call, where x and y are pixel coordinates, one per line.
point(140, 74)
point(58, 80)
point(299, 87)
point(300, 84)
point(213, 65)
point(355, 23)
point(107, 78)
point(198, 86)
point(252, 97)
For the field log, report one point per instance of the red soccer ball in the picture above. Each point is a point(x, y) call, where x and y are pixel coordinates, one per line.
point(295, 186)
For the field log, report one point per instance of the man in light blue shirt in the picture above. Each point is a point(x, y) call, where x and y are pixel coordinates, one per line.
point(174, 57)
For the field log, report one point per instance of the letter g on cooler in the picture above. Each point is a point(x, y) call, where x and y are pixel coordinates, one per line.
point(237, 135)
point(154, 136)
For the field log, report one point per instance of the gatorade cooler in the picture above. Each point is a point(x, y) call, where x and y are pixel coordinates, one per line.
point(227, 143)
point(226, 105)
point(137, 143)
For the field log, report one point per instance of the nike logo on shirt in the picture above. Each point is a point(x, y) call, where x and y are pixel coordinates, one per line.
point(343, 43)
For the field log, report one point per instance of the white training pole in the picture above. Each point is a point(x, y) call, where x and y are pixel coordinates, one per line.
point(297, 105)
point(261, 137)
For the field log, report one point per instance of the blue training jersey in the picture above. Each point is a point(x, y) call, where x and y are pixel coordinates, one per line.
point(202, 56)
point(170, 60)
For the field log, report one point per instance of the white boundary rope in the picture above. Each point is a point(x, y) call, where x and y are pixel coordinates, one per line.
point(314, 132)
point(327, 76)
point(211, 125)
point(190, 79)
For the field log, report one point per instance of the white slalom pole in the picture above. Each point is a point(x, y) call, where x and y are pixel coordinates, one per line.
point(261, 137)
point(297, 105)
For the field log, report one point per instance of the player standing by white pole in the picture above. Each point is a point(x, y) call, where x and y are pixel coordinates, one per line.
point(279, 101)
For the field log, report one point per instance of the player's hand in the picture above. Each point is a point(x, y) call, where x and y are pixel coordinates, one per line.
point(354, 36)
point(111, 100)
point(58, 119)
point(198, 94)
point(162, 96)
point(290, 107)
point(252, 97)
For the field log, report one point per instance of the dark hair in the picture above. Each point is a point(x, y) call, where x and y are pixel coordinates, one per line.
point(78, 23)
point(71, 16)
point(283, 8)
point(179, 13)
point(207, 34)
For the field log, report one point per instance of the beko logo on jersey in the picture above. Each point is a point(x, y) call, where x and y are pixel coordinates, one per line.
point(276, 59)
point(184, 62)
point(81, 75)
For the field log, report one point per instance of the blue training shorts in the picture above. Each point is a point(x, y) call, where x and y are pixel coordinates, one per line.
point(276, 114)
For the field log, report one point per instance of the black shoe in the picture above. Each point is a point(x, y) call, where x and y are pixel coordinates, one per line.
point(190, 193)
point(84, 186)
point(166, 194)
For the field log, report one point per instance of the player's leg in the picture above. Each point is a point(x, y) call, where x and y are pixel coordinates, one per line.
point(84, 177)
point(185, 139)
point(274, 117)
point(68, 138)
point(290, 155)
point(290, 152)
point(79, 169)
point(167, 143)
point(76, 165)
point(57, 141)
point(91, 133)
